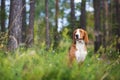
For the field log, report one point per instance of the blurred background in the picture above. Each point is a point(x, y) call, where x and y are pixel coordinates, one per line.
point(46, 26)
point(51, 21)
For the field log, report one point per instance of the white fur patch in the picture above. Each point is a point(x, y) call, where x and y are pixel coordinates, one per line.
point(78, 33)
point(81, 53)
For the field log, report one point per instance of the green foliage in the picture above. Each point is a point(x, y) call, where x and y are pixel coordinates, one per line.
point(38, 64)
point(3, 39)
point(110, 51)
point(64, 33)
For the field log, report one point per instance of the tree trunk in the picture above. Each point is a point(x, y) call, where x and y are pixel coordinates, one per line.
point(15, 24)
point(72, 14)
point(47, 26)
point(3, 15)
point(97, 29)
point(24, 21)
point(30, 32)
point(105, 22)
point(72, 18)
point(116, 18)
point(56, 35)
point(83, 15)
point(9, 24)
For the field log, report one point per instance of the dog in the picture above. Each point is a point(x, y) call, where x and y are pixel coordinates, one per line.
point(78, 50)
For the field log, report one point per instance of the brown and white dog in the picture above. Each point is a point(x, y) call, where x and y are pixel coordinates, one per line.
point(78, 48)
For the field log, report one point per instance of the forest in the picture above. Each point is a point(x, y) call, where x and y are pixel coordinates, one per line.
point(35, 37)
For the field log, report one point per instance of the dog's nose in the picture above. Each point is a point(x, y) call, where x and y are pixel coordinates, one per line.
point(77, 36)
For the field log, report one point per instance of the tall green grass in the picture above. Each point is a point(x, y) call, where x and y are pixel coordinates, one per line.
point(38, 64)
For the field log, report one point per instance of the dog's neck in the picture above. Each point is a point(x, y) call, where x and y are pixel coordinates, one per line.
point(80, 53)
point(80, 44)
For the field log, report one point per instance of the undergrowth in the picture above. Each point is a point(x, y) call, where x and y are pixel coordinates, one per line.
point(38, 64)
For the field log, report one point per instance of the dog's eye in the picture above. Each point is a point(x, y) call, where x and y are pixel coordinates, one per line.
point(80, 31)
point(75, 32)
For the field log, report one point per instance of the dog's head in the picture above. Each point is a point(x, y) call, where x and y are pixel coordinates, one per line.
point(80, 35)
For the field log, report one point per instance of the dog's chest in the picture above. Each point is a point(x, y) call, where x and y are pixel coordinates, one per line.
point(80, 53)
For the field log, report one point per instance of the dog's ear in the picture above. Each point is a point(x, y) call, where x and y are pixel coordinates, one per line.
point(86, 37)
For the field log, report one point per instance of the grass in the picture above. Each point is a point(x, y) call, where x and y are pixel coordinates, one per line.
point(38, 64)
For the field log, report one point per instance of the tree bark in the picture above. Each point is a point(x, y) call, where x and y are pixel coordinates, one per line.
point(83, 15)
point(23, 21)
point(15, 24)
point(47, 26)
point(72, 14)
point(118, 21)
point(116, 18)
point(56, 35)
point(30, 34)
point(97, 24)
point(3, 15)
point(105, 22)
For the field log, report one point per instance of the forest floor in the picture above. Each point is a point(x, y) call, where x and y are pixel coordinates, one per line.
point(38, 64)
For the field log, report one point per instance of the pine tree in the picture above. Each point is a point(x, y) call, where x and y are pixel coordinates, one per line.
point(15, 24)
